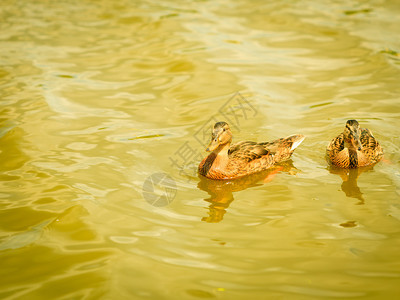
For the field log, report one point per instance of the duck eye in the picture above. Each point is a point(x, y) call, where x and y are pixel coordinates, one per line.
point(215, 140)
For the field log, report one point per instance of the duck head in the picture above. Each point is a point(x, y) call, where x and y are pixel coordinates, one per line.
point(221, 135)
point(352, 135)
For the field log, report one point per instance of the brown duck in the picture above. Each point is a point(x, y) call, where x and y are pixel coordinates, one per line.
point(355, 147)
point(243, 158)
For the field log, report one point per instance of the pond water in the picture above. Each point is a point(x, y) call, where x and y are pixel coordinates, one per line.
point(106, 106)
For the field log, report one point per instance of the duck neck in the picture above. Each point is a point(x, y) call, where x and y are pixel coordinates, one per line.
point(221, 153)
point(353, 153)
point(350, 146)
point(222, 150)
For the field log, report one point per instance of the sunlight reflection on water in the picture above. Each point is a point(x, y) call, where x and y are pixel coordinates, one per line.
point(98, 97)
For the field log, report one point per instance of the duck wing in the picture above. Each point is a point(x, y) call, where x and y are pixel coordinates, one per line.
point(368, 141)
point(283, 148)
point(337, 144)
point(372, 150)
point(247, 151)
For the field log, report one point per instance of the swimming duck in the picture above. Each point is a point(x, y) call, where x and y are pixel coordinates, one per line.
point(355, 147)
point(243, 158)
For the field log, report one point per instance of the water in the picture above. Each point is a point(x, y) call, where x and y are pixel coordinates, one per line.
point(98, 96)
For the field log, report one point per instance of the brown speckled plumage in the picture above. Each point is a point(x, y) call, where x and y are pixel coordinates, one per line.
point(243, 158)
point(355, 147)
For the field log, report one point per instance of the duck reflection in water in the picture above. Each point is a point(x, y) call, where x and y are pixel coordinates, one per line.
point(350, 177)
point(221, 191)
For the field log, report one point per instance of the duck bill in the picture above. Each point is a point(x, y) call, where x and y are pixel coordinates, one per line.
point(212, 146)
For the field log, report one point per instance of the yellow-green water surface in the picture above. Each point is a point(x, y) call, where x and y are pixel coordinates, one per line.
point(105, 109)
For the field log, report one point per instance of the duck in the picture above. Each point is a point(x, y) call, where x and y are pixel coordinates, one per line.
point(228, 161)
point(355, 147)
